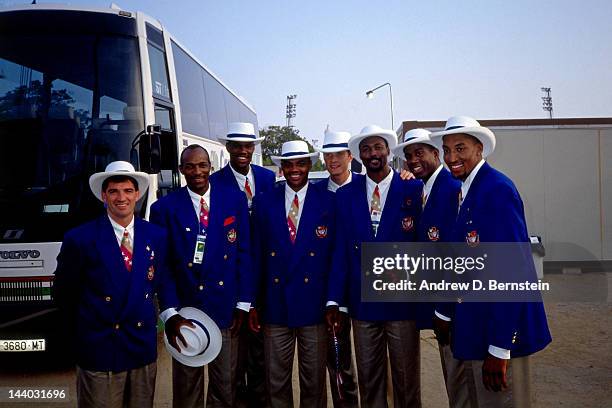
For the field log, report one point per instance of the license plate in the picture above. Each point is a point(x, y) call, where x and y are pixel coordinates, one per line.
point(22, 345)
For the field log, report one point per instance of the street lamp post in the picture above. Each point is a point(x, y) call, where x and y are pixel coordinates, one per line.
point(370, 95)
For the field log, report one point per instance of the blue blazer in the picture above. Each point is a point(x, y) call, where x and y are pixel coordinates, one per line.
point(398, 224)
point(440, 212)
point(293, 277)
point(436, 225)
point(113, 309)
point(225, 276)
point(493, 210)
point(264, 178)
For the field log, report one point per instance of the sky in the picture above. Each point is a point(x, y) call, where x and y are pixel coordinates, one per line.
point(487, 59)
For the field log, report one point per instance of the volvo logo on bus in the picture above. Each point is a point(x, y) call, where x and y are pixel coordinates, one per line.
point(20, 254)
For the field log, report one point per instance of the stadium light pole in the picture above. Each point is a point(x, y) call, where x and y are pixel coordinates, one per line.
point(370, 95)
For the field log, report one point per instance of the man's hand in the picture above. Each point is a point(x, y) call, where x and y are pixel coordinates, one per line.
point(333, 319)
point(442, 331)
point(254, 325)
point(494, 373)
point(239, 317)
point(172, 328)
point(406, 175)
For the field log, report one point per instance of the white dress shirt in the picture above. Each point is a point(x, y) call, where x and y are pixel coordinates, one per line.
point(429, 185)
point(289, 195)
point(465, 188)
point(241, 179)
point(118, 229)
point(333, 187)
point(196, 198)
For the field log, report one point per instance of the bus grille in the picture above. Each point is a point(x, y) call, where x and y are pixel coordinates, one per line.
point(25, 289)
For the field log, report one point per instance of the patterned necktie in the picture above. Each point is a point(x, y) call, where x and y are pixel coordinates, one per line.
point(203, 214)
point(375, 203)
point(424, 198)
point(126, 250)
point(375, 211)
point(460, 200)
point(292, 220)
point(247, 190)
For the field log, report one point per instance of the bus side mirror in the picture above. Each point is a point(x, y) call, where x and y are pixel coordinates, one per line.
point(153, 164)
point(145, 154)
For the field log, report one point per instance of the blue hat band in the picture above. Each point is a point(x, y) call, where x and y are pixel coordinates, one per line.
point(411, 138)
point(330, 145)
point(454, 127)
point(293, 154)
point(233, 135)
point(205, 332)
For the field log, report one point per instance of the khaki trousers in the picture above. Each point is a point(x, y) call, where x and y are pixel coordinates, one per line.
point(454, 379)
point(401, 338)
point(279, 349)
point(188, 382)
point(517, 395)
point(133, 388)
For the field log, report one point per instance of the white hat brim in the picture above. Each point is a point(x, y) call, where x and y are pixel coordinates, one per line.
point(97, 179)
point(224, 140)
point(483, 134)
point(399, 149)
point(354, 141)
point(314, 157)
point(214, 345)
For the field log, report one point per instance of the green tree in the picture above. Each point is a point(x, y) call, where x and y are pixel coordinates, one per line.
point(275, 136)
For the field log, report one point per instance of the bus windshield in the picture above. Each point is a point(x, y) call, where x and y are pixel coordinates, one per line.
point(69, 105)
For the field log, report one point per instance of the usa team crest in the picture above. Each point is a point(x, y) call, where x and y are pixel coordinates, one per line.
point(433, 234)
point(472, 239)
point(231, 236)
point(407, 223)
point(151, 273)
point(321, 231)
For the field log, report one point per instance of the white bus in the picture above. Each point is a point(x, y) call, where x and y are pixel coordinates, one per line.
point(77, 85)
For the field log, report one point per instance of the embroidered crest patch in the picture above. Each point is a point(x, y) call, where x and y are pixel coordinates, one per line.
point(321, 231)
point(151, 273)
point(472, 239)
point(433, 234)
point(231, 236)
point(407, 223)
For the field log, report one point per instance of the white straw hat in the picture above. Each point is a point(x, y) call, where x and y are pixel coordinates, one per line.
point(335, 142)
point(203, 340)
point(118, 168)
point(240, 132)
point(415, 136)
point(372, 130)
point(470, 126)
point(294, 149)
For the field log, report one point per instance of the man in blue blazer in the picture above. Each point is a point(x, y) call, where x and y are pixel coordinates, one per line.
point(494, 339)
point(377, 207)
point(108, 272)
point(440, 204)
point(251, 180)
point(338, 158)
point(294, 228)
point(208, 230)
